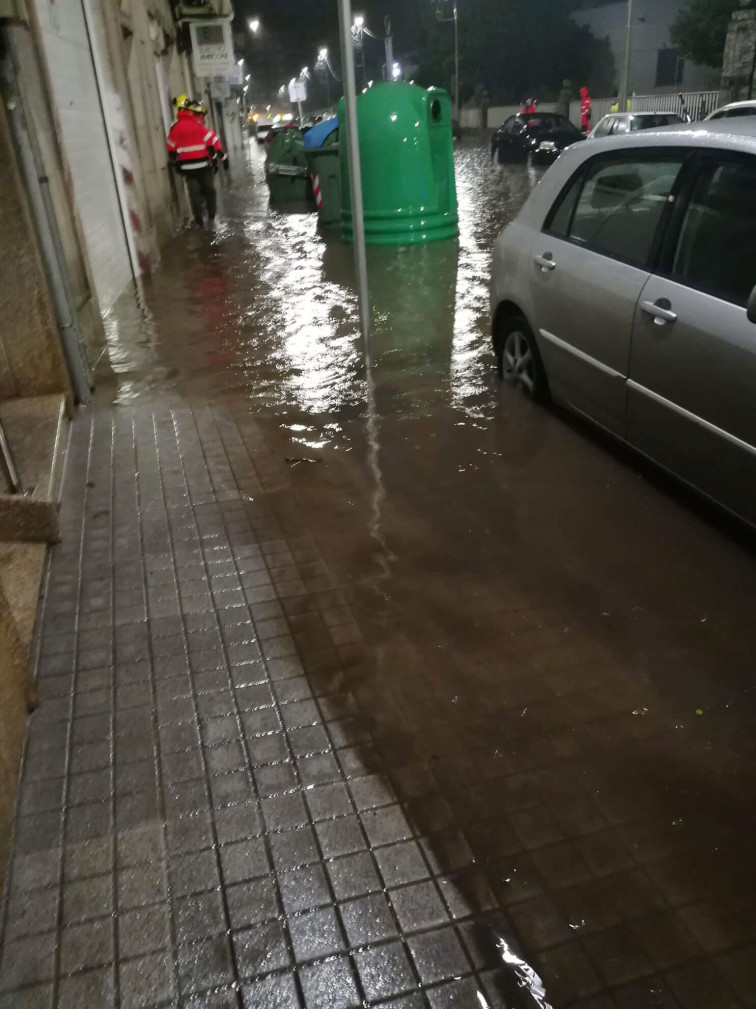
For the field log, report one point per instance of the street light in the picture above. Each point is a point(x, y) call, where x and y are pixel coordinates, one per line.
point(240, 63)
point(360, 29)
point(254, 26)
point(396, 71)
point(625, 81)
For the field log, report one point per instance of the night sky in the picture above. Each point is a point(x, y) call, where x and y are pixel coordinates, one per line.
point(293, 31)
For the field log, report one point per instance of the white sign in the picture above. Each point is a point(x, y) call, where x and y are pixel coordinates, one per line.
point(212, 48)
point(219, 90)
point(297, 92)
point(233, 76)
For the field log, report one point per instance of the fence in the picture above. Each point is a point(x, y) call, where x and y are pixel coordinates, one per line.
point(698, 104)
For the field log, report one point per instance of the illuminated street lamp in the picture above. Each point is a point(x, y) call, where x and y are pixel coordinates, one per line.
point(254, 26)
point(360, 29)
point(396, 72)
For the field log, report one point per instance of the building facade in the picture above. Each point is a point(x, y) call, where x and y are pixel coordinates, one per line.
point(655, 64)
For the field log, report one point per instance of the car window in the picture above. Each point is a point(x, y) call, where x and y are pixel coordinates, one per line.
point(746, 110)
point(508, 126)
point(654, 122)
point(717, 115)
point(621, 203)
point(603, 128)
point(621, 126)
point(716, 251)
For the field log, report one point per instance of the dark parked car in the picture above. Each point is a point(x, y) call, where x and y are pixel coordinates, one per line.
point(541, 136)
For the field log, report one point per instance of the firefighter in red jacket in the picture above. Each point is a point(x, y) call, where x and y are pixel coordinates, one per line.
point(192, 154)
point(585, 110)
point(221, 158)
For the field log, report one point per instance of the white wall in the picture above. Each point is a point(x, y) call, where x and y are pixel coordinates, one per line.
point(74, 88)
point(652, 21)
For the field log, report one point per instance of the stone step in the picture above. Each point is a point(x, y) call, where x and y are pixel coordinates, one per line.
point(36, 429)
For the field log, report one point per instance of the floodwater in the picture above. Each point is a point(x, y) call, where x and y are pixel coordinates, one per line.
point(559, 641)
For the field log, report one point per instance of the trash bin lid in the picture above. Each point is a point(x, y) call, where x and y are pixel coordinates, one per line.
point(318, 134)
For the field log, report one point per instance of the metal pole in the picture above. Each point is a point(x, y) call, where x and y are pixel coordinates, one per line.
point(456, 58)
point(389, 50)
point(9, 464)
point(625, 82)
point(301, 117)
point(355, 172)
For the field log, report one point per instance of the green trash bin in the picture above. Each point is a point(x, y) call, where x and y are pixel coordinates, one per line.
point(325, 170)
point(407, 158)
point(286, 169)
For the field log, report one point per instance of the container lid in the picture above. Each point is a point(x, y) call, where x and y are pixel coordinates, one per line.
point(318, 134)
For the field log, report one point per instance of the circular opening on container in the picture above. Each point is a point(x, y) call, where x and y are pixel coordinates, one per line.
point(436, 110)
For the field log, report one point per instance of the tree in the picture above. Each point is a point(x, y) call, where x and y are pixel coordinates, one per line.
point(700, 31)
point(516, 49)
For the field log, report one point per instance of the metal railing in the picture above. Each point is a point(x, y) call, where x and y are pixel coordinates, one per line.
point(698, 104)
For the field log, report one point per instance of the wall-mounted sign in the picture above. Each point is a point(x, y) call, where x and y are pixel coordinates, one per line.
point(212, 48)
point(219, 90)
point(232, 76)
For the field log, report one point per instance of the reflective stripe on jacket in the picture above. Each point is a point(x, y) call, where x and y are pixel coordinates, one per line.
point(189, 142)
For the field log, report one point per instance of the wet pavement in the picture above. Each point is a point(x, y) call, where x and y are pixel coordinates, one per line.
point(404, 693)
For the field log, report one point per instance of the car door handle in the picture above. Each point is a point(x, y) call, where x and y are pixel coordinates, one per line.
point(660, 310)
point(545, 262)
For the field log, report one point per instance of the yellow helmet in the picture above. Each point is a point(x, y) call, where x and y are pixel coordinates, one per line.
point(198, 107)
point(183, 102)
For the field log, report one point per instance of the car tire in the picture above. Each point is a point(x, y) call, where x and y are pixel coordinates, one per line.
point(518, 359)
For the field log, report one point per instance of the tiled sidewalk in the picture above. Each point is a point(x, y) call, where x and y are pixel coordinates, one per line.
point(199, 822)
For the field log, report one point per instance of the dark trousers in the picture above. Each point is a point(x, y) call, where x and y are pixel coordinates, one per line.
point(200, 184)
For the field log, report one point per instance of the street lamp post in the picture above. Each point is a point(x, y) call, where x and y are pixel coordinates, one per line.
point(625, 81)
point(455, 19)
point(360, 29)
point(456, 58)
point(389, 40)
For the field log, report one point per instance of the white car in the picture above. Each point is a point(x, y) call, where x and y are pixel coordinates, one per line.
point(735, 110)
point(616, 124)
point(625, 290)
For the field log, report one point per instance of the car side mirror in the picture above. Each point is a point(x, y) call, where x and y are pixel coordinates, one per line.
point(751, 306)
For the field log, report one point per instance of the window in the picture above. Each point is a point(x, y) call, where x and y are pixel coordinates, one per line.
point(656, 121)
point(716, 251)
point(622, 125)
point(509, 125)
point(604, 127)
point(616, 205)
point(742, 110)
point(669, 68)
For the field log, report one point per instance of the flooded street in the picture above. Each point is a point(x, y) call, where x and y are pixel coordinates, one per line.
point(533, 654)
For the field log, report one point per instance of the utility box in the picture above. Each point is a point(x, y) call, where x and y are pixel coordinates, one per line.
point(286, 169)
point(407, 158)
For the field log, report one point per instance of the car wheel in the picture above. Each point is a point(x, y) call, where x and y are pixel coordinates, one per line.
point(519, 360)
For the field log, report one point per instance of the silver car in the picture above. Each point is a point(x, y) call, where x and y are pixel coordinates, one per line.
point(617, 124)
point(734, 110)
point(625, 290)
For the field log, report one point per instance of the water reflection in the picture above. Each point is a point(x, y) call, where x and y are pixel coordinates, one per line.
point(489, 197)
